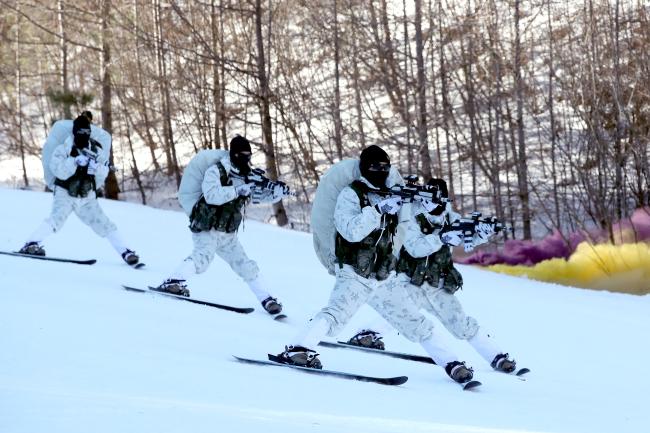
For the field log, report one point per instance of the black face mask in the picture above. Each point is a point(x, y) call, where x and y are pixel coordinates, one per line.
point(377, 174)
point(81, 138)
point(241, 161)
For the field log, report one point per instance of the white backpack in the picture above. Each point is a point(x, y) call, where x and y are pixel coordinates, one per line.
point(61, 130)
point(189, 191)
point(338, 176)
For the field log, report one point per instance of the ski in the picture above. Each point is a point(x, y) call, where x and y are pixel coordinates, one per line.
point(51, 259)
point(470, 385)
point(522, 371)
point(192, 300)
point(400, 355)
point(280, 317)
point(398, 380)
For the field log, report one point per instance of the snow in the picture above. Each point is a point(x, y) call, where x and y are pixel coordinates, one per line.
point(79, 354)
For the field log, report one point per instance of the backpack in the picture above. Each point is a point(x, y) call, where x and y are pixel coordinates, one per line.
point(336, 178)
point(60, 131)
point(189, 191)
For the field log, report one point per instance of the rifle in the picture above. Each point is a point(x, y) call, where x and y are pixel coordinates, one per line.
point(263, 183)
point(413, 191)
point(93, 156)
point(467, 225)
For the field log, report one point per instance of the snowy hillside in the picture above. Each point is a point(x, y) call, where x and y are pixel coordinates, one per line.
point(79, 354)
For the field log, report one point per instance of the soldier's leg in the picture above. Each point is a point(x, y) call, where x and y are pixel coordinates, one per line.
point(62, 206)
point(232, 252)
point(91, 214)
point(350, 292)
point(393, 302)
point(451, 314)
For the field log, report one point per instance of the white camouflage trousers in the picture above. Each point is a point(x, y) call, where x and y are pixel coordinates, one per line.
point(445, 306)
point(389, 298)
point(226, 246)
point(86, 208)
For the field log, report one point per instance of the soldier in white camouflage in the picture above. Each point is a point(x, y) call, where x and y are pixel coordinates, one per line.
point(366, 224)
point(216, 217)
point(80, 168)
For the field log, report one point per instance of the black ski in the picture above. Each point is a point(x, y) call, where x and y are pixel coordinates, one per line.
point(51, 259)
point(522, 371)
point(193, 300)
point(407, 356)
point(398, 380)
point(280, 317)
point(471, 385)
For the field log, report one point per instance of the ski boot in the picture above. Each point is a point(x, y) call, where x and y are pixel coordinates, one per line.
point(300, 356)
point(130, 257)
point(175, 287)
point(272, 306)
point(369, 339)
point(459, 372)
point(32, 249)
point(503, 364)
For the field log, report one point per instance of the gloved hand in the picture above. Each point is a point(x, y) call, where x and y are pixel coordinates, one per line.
point(81, 160)
point(390, 205)
point(484, 232)
point(453, 238)
point(244, 189)
point(92, 166)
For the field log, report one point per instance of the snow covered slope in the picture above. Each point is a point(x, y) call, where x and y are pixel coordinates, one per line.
point(79, 354)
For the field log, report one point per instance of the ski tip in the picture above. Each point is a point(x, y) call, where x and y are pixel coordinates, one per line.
point(139, 265)
point(399, 380)
point(280, 317)
point(471, 385)
point(522, 371)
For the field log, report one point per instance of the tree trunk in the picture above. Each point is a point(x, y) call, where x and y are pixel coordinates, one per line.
point(265, 111)
point(112, 188)
point(337, 87)
point(522, 163)
point(423, 136)
point(18, 90)
point(63, 59)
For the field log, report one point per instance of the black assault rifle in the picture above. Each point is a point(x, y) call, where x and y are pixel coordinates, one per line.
point(414, 191)
point(262, 182)
point(93, 156)
point(467, 225)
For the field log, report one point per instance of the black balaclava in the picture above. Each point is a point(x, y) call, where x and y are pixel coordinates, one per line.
point(375, 165)
point(81, 132)
point(240, 154)
point(439, 189)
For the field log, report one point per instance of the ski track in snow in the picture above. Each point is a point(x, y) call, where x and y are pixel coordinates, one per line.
point(80, 354)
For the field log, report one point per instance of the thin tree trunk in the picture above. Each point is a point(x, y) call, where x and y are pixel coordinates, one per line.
point(112, 188)
point(337, 86)
point(63, 59)
point(551, 109)
point(522, 171)
point(265, 111)
point(423, 135)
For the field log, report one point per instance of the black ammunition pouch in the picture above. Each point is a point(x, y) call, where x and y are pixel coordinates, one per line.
point(80, 184)
point(374, 253)
point(435, 269)
point(224, 218)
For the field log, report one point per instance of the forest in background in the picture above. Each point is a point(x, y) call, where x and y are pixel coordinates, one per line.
point(536, 111)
